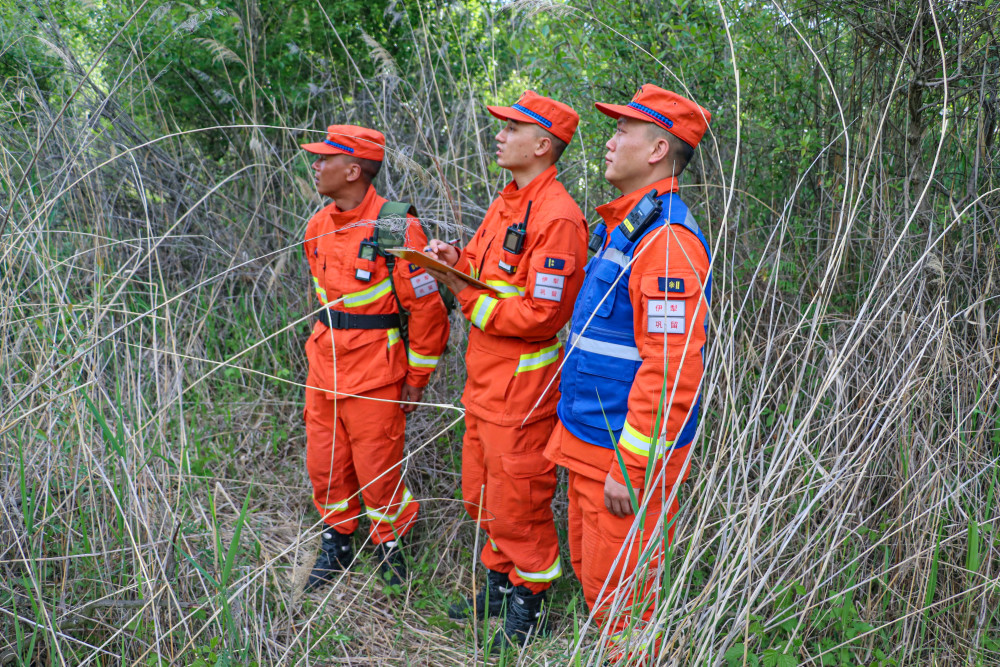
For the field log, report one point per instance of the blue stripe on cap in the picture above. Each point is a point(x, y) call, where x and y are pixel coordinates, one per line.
point(340, 146)
point(537, 116)
point(649, 112)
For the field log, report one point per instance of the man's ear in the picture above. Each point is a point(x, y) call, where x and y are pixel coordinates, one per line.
point(353, 172)
point(660, 150)
point(543, 146)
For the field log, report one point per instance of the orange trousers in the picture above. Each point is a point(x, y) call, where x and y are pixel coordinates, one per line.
point(503, 468)
point(354, 444)
point(596, 538)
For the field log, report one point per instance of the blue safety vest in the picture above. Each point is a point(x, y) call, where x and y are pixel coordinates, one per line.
point(598, 374)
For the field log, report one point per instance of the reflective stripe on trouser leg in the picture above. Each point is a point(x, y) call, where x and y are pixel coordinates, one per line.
point(517, 503)
point(330, 464)
point(376, 429)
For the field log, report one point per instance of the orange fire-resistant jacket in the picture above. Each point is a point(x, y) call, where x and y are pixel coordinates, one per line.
point(513, 350)
point(671, 252)
point(370, 358)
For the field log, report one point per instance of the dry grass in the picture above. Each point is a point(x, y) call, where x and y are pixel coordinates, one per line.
point(843, 503)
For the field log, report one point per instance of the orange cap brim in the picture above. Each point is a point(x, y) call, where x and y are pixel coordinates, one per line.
point(320, 148)
point(619, 110)
point(510, 113)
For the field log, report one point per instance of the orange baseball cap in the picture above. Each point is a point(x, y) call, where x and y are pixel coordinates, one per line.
point(677, 115)
point(556, 117)
point(350, 140)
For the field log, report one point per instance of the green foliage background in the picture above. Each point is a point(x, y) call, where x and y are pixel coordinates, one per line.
point(152, 199)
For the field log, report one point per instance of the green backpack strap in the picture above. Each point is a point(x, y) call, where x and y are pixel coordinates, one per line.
point(386, 237)
point(391, 238)
point(396, 209)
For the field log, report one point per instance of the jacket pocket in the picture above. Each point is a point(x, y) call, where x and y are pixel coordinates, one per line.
point(673, 310)
point(602, 283)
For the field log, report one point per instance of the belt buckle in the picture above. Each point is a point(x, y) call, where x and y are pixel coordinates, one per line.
point(338, 319)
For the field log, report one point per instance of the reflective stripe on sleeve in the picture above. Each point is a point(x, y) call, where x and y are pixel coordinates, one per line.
point(380, 517)
point(421, 360)
point(320, 292)
point(607, 349)
point(535, 360)
point(482, 310)
point(505, 290)
point(637, 443)
point(368, 295)
point(394, 337)
point(554, 571)
point(616, 256)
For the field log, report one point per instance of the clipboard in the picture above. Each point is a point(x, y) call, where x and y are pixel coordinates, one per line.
point(428, 262)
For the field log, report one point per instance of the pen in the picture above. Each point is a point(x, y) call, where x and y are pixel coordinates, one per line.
point(451, 242)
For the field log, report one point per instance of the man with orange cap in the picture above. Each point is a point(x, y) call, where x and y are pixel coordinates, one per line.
point(630, 386)
point(363, 375)
point(530, 249)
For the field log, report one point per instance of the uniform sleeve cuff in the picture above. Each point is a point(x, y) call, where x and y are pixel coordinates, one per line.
point(418, 380)
point(637, 478)
point(468, 295)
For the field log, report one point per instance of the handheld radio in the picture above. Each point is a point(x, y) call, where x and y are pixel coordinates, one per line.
point(513, 240)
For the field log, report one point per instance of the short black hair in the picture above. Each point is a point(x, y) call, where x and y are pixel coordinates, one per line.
point(558, 147)
point(369, 168)
point(681, 151)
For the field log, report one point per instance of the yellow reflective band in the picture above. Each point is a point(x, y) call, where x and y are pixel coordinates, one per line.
point(493, 545)
point(505, 290)
point(474, 272)
point(552, 572)
point(394, 337)
point(365, 296)
point(333, 507)
point(535, 360)
point(640, 444)
point(320, 292)
point(379, 517)
point(421, 360)
point(482, 310)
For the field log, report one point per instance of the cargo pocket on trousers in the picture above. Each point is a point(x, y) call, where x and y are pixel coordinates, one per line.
point(531, 486)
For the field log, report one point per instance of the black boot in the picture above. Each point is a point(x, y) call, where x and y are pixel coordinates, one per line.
point(392, 565)
point(527, 617)
point(335, 555)
point(489, 600)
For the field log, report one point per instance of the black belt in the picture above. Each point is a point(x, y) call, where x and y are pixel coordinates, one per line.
point(338, 319)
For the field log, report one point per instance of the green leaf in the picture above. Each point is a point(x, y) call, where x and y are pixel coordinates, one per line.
point(774, 658)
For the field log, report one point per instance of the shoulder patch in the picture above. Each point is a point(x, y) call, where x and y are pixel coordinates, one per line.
point(414, 268)
point(555, 263)
point(671, 284)
point(423, 285)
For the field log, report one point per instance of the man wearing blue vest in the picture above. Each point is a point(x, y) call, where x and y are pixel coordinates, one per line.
point(631, 382)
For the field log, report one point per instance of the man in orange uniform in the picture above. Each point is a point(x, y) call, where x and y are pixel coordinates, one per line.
point(530, 249)
point(360, 368)
point(634, 364)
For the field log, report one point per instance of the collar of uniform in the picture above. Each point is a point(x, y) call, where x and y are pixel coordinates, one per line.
point(361, 212)
point(517, 199)
point(614, 211)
